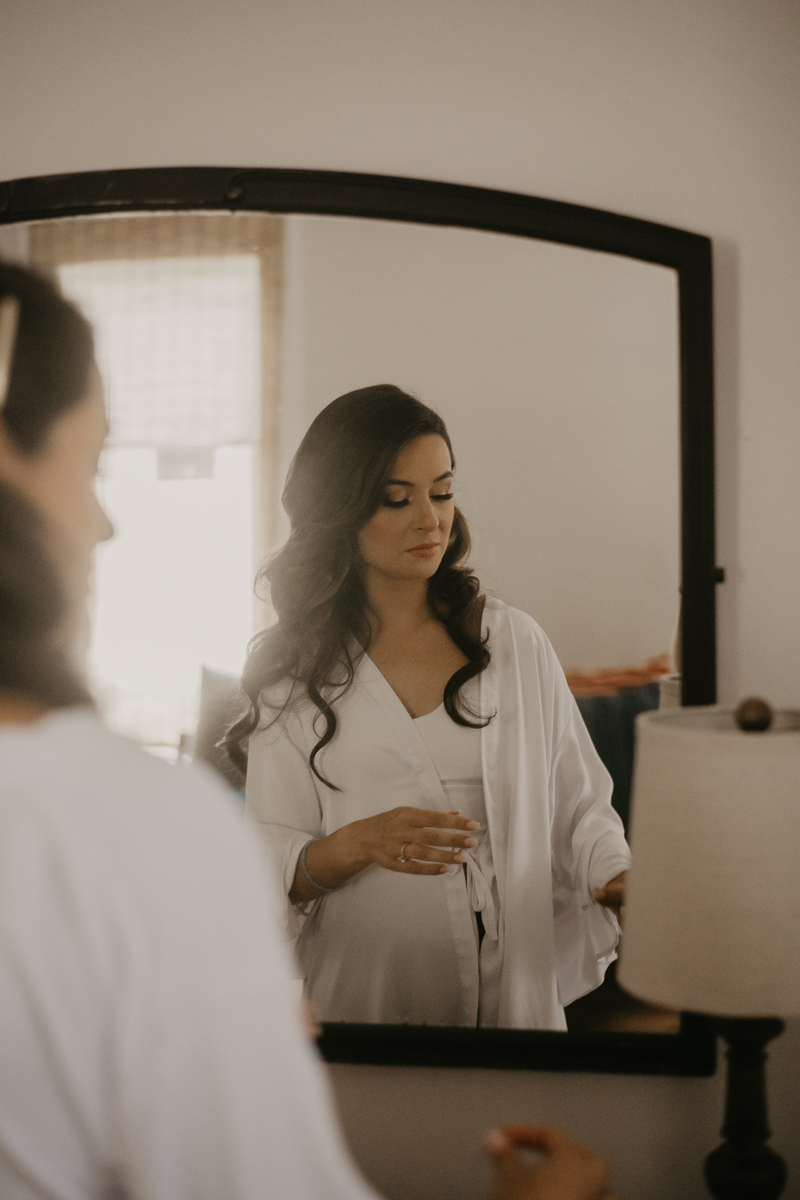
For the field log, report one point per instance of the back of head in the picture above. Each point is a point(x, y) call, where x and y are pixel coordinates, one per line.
point(49, 361)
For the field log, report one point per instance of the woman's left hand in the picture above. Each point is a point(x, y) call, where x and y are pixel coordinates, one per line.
point(613, 894)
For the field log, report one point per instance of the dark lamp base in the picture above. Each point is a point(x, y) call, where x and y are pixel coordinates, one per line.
point(744, 1167)
point(731, 1175)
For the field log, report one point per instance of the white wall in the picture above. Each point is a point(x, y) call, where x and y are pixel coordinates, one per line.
point(683, 112)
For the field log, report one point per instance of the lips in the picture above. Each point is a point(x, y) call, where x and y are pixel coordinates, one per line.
point(424, 550)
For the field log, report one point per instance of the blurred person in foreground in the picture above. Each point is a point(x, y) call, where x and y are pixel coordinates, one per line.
point(150, 1044)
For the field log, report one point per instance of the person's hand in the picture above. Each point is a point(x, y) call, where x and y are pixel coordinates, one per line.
point(414, 841)
point(568, 1171)
point(613, 894)
point(410, 840)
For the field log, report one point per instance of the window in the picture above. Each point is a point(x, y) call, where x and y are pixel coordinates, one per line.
point(186, 312)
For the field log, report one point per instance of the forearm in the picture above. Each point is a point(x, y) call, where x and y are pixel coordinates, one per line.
point(331, 861)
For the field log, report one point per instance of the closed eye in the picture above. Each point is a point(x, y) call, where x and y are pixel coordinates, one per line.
point(402, 503)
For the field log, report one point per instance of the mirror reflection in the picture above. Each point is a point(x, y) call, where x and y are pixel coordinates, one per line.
point(555, 370)
point(416, 763)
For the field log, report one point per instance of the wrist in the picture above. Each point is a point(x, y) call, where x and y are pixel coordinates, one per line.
point(312, 880)
point(350, 852)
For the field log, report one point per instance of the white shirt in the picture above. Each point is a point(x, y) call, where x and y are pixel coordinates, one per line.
point(395, 948)
point(149, 1040)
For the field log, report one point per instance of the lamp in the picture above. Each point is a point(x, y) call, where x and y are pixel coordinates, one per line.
point(712, 920)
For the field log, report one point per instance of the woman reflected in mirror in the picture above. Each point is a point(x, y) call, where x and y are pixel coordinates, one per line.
point(415, 762)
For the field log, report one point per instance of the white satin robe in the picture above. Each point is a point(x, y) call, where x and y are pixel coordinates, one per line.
point(402, 949)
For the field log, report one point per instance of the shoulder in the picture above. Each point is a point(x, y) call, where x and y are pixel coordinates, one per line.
point(132, 861)
point(69, 750)
point(276, 695)
point(285, 709)
point(283, 700)
point(524, 667)
point(506, 624)
point(91, 793)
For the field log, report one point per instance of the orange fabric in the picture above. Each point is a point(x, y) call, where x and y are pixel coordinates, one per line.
point(607, 680)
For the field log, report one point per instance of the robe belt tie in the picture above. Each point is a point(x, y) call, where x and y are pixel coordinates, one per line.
point(479, 888)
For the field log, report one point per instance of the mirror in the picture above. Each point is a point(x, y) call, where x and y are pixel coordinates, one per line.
point(565, 375)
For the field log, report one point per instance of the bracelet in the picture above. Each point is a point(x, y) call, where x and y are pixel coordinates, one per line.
point(319, 886)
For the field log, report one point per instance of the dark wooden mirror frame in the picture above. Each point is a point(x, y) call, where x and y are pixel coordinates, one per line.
point(388, 198)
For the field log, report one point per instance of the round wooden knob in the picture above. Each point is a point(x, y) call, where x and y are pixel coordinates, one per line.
point(754, 715)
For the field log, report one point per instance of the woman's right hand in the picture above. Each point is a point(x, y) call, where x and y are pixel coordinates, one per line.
point(568, 1171)
point(412, 841)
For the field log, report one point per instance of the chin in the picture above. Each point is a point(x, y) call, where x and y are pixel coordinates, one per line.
point(424, 568)
point(409, 569)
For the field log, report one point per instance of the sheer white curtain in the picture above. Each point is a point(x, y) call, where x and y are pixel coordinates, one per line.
point(180, 344)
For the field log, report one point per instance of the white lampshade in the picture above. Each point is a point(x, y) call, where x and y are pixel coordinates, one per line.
point(712, 916)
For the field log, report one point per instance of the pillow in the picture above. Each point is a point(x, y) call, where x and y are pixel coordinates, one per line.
point(221, 702)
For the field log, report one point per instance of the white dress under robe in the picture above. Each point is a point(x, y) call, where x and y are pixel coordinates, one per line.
point(403, 949)
point(456, 754)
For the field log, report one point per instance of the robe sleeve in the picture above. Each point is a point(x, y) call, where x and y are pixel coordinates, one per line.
point(588, 849)
point(282, 804)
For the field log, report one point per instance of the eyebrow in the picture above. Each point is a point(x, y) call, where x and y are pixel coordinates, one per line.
point(407, 483)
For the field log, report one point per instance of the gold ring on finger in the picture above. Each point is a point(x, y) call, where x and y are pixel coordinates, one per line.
point(402, 855)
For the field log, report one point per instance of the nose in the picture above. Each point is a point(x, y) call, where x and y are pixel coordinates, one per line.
point(427, 518)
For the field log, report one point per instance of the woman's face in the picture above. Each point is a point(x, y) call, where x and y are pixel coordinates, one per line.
point(59, 481)
point(408, 535)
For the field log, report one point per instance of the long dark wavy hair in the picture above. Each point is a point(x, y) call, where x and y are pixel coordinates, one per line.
point(336, 482)
point(51, 362)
